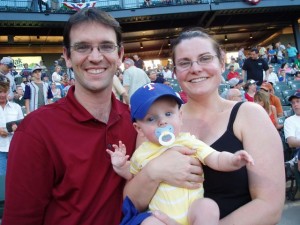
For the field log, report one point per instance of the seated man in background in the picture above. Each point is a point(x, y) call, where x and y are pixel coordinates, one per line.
point(292, 133)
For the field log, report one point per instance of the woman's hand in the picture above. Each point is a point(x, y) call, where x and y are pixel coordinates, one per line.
point(178, 168)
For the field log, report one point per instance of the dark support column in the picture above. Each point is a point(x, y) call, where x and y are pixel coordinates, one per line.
point(296, 33)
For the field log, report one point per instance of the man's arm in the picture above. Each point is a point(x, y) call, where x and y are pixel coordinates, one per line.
point(293, 142)
point(27, 106)
point(29, 179)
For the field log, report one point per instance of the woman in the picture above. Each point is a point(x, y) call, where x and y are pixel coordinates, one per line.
point(56, 92)
point(249, 196)
point(250, 90)
point(263, 99)
point(9, 111)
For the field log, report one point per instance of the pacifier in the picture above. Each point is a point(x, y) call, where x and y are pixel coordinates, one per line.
point(165, 135)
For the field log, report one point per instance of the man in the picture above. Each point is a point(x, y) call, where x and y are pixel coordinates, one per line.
point(272, 76)
point(167, 73)
point(138, 62)
point(19, 96)
point(292, 131)
point(236, 84)
point(59, 171)
point(133, 77)
point(9, 112)
point(37, 93)
point(274, 100)
point(26, 71)
point(291, 52)
point(255, 67)
point(154, 78)
point(232, 73)
point(234, 94)
point(233, 63)
point(6, 64)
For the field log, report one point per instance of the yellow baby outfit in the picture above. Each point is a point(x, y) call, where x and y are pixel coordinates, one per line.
point(171, 200)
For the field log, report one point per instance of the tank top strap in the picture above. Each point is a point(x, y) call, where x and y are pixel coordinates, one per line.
point(233, 114)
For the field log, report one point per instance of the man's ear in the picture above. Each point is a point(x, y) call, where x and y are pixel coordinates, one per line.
point(121, 55)
point(138, 129)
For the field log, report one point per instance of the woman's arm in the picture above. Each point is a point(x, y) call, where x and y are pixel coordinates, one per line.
point(267, 178)
point(274, 111)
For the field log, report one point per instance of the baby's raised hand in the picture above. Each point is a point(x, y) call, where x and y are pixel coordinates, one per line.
point(242, 158)
point(118, 157)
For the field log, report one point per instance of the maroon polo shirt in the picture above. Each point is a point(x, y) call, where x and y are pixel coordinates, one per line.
point(59, 172)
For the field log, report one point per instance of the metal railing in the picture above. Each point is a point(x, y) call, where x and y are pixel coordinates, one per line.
point(57, 6)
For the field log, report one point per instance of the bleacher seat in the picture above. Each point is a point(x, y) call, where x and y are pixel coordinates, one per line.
point(287, 93)
point(281, 120)
point(287, 110)
point(281, 87)
point(295, 86)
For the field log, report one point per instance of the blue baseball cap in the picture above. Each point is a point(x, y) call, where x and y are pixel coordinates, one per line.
point(295, 95)
point(143, 98)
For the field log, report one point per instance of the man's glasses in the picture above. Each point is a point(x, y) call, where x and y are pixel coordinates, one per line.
point(187, 64)
point(85, 48)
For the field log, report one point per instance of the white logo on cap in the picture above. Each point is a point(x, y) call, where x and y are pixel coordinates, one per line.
point(150, 86)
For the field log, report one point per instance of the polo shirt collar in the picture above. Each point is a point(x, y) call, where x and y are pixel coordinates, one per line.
point(81, 114)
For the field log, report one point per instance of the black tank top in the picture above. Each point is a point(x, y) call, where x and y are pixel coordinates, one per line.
point(229, 189)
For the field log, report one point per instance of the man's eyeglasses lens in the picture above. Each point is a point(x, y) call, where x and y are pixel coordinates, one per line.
point(186, 64)
point(87, 48)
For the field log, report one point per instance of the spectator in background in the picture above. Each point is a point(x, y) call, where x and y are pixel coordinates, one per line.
point(138, 62)
point(9, 111)
point(272, 58)
point(232, 73)
point(133, 77)
point(250, 90)
point(263, 54)
point(24, 83)
point(44, 69)
point(263, 99)
point(56, 77)
point(37, 93)
point(272, 76)
point(154, 78)
point(167, 73)
point(26, 71)
point(46, 80)
point(234, 94)
point(56, 92)
point(274, 100)
point(241, 57)
point(291, 53)
point(66, 89)
point(6, 64)
point(19, 96)
point(237, 84)
point(233, 63)
point(297, 75)
point(64, 80)
point(292, 131)
point(255, 67)
point(119, 91)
